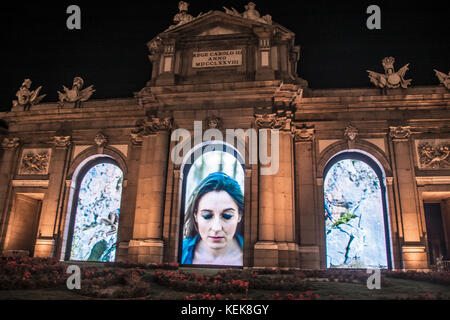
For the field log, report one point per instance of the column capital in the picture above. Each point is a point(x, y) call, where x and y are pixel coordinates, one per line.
point(400, 133)
point(62, 142)
point(10, 143)
point(273, 121)
point(303, 133)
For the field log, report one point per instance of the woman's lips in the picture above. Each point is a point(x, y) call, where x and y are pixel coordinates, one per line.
point(216, 239)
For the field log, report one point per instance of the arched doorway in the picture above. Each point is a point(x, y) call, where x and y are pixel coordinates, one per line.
point(356, 216)
point(212, 166)
point(95, 212)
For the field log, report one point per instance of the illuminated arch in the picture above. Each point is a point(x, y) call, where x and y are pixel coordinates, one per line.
point(356, 212)
point(208, 153)
point(93, 218)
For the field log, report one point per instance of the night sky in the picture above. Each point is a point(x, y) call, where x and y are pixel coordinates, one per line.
point(110, 50)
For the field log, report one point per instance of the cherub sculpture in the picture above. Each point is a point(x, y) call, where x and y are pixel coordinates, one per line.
point(26, 97)
point(443, 78)
point(390, 79)
point(76, 95)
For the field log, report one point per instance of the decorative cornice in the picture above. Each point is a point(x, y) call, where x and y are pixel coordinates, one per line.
point(10, 143)
point(400, 132)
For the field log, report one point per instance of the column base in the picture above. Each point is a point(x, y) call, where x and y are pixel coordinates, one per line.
point(265, 254)
point(44, 248)
point(122, 252)
point(288, 255)
point(146, 251)
point(414, 257)
point(309, 257)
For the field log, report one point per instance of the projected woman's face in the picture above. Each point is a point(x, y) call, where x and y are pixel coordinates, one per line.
point(217, 217)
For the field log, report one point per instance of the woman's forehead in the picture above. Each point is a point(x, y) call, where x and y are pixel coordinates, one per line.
point(216, 200)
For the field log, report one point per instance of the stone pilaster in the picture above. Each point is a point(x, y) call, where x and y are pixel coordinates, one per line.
point(413, 249)
point(276, 241)
point(306, 218)
point(7, 165)
point(147, 244)
point(48, 223)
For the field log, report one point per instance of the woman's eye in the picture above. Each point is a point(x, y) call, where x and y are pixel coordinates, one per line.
point(207, 216)
point(227, 216)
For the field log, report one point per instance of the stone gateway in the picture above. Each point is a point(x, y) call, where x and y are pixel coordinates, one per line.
point(362, 175)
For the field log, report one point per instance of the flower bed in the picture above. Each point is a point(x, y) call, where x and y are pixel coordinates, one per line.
point(31, 273)
point(439, 277)
point(193, 282)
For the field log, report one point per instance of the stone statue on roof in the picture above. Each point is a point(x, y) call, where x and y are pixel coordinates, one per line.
point(26, 97)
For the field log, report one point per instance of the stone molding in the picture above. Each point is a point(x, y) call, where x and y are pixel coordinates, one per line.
point(423, 181)
point(30, 183)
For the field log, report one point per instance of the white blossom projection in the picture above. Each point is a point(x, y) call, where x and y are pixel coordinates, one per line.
point(97, 214)
point(354, 218)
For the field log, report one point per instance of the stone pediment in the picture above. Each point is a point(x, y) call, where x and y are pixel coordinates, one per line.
point(217, 23)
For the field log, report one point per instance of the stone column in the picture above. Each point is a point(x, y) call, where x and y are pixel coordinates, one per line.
point(413, 248)
point(147, 245)
point(305, 199)
point(7, 166)
point(47, 230)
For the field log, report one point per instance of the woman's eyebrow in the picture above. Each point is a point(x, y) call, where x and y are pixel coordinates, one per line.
point(228, 209)
point(206, 210)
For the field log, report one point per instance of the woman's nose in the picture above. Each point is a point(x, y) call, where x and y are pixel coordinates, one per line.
point(216, 225)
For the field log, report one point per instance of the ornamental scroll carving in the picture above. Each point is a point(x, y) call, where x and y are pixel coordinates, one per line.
point(35, 162)
point(434, 156)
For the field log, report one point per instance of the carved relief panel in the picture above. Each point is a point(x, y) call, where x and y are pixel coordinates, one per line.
point(35, 161)
point(433, 153)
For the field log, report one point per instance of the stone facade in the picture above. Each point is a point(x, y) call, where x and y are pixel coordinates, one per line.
point(406, 131)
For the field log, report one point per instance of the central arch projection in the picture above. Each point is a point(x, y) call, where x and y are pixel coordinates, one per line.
point(96, 221)
point(356, 224)
point(212, 208)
